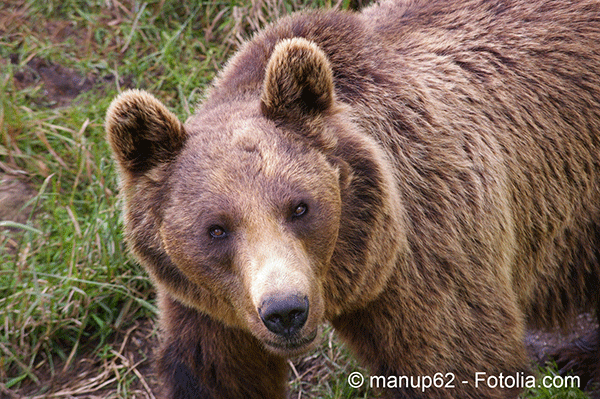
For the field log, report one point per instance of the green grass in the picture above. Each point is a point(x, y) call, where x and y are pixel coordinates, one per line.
point(71, 298)
point(560, 387)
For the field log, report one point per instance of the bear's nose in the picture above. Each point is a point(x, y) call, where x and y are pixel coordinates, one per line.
point(284, 315)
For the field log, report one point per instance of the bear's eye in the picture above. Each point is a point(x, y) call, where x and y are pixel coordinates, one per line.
point(300, 210)
point(217, 232)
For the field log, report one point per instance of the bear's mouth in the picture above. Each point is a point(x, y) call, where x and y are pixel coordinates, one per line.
point(293, 345)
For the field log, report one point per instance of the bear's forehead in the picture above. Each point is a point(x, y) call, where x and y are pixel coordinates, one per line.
point(249, 145)
point(250, 138)
point(236, 147)
point(240, 151)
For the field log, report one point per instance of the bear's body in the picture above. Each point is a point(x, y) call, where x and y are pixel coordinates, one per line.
point(425, 175)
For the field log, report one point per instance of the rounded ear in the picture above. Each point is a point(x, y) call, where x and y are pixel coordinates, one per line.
point(298, 81)
point(142, 132)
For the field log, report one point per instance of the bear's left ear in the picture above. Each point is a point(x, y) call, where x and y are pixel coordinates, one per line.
point(142, 132)
point(298, 81)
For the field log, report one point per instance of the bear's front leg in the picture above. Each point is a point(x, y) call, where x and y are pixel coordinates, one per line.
point(202, 358)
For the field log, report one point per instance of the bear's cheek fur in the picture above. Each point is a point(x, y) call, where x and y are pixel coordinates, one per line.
point(208, 270)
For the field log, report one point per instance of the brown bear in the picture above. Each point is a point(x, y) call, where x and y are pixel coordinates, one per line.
point(425, 175)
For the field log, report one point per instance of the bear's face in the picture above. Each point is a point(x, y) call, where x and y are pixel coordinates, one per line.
point(237, 212)
point(253, 218)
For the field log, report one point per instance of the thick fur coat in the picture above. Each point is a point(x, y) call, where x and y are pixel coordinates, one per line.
point(424, 174)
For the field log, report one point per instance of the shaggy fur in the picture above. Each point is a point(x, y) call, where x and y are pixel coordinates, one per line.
point(424, 174)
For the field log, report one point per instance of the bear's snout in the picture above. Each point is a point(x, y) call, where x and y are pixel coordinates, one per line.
point(284, 315)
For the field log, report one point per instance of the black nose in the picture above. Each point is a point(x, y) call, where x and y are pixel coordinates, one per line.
point(284, 315)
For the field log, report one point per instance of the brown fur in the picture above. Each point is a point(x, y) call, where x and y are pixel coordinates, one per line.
point(448, 153)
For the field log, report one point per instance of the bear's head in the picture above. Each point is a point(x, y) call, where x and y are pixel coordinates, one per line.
point(237, 213)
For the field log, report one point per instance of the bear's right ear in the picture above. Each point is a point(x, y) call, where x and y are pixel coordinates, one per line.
point(142, 132)
point(298, 81)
